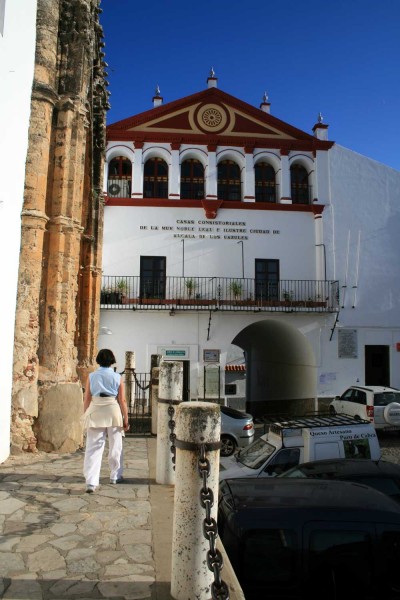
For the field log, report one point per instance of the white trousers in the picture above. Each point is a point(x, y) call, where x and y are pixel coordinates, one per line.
point(95, 442)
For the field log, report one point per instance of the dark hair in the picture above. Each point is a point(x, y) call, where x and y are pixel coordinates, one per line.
point(105, 358)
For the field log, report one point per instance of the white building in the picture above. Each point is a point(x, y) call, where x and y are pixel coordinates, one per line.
point(238, 243)
point(17, 56)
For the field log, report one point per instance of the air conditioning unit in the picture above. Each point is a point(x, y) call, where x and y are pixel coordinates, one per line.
point(119, 188)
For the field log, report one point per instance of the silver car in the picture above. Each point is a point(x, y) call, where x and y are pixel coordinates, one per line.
point(237, 430)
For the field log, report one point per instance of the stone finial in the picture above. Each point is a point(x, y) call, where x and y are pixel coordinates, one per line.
point(265, 105)
point(320, 129)
point(157, 98)
point(212, 79)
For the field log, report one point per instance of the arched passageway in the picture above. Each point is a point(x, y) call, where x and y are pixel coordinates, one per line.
point(281, 369)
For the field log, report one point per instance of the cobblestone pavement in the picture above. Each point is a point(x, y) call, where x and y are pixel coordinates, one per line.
point(59, 542)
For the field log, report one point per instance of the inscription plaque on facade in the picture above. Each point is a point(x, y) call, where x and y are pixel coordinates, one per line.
point(211, 356)
point(347, 343)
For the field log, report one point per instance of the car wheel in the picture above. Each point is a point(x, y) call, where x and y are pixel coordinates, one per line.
point(332, 411)
point(228, 445)
point(392, 413)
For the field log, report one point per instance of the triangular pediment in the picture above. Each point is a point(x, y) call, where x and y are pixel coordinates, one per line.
point(210, 112)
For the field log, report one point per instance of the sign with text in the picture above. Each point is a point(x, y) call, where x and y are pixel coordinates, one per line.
point(213, 230)
point(173, 352)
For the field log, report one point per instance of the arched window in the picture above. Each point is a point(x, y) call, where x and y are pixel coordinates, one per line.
point(229, 186)
point(192, 179)
point(300, 190)
point(155, 178)
point(119, 183)
point(265, 182)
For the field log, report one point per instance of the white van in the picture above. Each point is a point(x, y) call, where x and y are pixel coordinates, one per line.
point(298, 440)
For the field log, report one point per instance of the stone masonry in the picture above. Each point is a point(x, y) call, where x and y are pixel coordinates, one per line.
point(61, 229)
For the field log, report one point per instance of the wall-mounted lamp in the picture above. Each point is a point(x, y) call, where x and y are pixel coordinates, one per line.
point(105, 331)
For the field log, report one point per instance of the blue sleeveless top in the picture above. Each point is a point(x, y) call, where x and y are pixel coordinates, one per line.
point(104, 381)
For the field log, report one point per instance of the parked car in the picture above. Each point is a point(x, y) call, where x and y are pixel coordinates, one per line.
point(377, 404)
point(310, 539)
point(302, 439)
point(237, 430)
point(381, 475)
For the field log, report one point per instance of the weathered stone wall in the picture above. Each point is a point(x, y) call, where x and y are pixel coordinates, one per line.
point(59, 285)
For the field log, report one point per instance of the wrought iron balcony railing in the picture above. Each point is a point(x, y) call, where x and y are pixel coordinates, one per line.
point(218, 293)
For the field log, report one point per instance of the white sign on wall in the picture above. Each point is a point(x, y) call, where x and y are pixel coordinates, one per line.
point(173, 352)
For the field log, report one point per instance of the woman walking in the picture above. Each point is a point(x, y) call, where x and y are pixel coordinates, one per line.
point(105, 414)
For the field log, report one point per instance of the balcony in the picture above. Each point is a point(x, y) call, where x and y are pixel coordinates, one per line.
point(218, 293)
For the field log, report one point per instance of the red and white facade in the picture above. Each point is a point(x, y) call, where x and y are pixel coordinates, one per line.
point(232, 238)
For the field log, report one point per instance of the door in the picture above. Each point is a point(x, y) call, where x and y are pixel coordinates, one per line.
point(152, 276)
point(267, 279)
point(377, 370)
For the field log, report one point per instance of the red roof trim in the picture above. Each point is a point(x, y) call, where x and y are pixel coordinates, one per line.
point(241, 368)
point(115, 130)
point(316, 209)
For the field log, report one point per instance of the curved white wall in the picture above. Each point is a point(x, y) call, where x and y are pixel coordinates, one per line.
point(17, 53)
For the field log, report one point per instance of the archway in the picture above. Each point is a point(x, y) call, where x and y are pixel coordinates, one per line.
point(281, 369)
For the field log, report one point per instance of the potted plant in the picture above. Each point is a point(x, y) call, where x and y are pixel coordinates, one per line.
point(122, 288)
point(287, 296)
point(105, 295)
point(236, 288)
point(190, 286)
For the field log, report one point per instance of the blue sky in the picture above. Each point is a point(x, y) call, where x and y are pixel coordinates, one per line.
point(340, 57)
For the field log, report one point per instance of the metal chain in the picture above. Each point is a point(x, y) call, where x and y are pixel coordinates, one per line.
point(215, 563)
point(172, 435)
point(142, 387)
point(132, 372)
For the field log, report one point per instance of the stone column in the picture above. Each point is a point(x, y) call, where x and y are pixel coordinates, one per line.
point(196, 423)
point(137, 171)
point(212, 174)
point(174, 192)
point(170, 394)
point(249, 177)
point(59, 288)
point(286, 195)
point(33, 224)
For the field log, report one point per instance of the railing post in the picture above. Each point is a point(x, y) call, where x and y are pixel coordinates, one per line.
point(170, 395)
point(197, 423)
point(129, 367)
point(154, 389)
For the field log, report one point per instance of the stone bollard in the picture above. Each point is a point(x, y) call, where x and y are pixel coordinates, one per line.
point(170, 393)
point(196, 423)
point(154, 388)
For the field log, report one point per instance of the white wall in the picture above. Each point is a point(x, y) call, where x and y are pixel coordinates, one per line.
point(361, 235)
point(17, 51)
point(131, 232)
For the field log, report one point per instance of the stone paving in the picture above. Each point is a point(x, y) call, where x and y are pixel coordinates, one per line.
point(57, 542)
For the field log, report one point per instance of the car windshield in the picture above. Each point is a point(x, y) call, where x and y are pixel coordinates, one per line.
point(385, 398)
point(255, 455)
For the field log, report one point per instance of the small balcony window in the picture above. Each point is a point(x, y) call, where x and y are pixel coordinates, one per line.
point(229, 184)
point(192, 180)
point(119, 183)
point(265, 182)
point(155, 178)
point(300, 188)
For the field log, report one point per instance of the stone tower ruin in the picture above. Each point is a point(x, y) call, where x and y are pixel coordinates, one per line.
point(61, 229)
